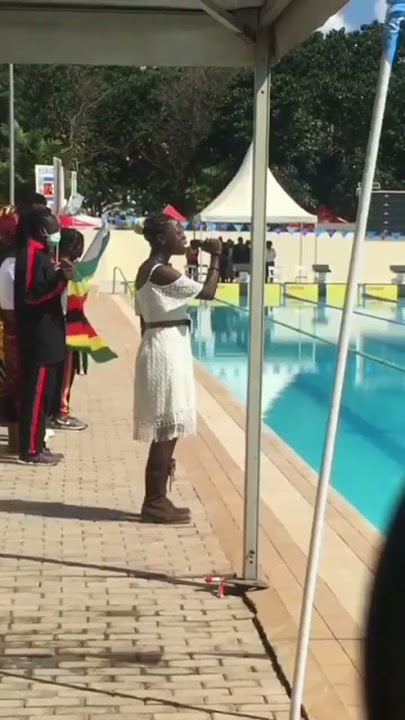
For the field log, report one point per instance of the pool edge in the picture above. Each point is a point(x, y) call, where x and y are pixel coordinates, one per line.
point(332, 689)
point(335, 660)
point(272, 442)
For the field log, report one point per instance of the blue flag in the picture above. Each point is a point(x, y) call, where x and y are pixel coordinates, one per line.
point(394, 20)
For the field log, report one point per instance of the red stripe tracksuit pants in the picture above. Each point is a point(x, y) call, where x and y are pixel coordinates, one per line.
point(37, 388)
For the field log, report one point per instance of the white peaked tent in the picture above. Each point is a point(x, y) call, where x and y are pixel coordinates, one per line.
point(234, 204)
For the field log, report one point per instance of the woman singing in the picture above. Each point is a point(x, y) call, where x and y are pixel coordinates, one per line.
point(165, 404)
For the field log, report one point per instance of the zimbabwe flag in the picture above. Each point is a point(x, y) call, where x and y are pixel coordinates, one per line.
point(80, 335)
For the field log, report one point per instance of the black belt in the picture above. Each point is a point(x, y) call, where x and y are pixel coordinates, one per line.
point(168, 324)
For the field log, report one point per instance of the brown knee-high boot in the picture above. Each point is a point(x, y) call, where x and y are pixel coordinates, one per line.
point(172, 477)
point(156, 506)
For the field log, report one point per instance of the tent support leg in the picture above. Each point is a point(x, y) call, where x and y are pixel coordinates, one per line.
point(256, 302)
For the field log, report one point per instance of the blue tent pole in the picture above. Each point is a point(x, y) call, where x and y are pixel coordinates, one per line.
point(395, 16)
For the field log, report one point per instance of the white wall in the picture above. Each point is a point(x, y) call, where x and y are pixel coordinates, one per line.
point(127, 250)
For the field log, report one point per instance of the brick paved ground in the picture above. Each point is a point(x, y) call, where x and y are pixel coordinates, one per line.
point(101, 615)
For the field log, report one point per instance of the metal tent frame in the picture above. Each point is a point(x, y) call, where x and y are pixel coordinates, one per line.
point(395, 17)
point(227, 33)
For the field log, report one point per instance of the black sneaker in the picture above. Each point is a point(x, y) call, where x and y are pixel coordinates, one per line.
point(42, 458)
point(48, 451)
point(67, 422)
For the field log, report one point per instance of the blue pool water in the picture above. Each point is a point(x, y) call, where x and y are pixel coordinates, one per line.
point(300, 359)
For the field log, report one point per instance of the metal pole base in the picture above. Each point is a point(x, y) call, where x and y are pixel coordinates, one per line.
point(234, 585)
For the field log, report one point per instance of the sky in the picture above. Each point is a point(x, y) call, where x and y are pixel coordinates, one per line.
point(356, 13)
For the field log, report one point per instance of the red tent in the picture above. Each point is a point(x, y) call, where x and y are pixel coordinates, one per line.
point(79, 222)
point(173, 213)
point(328, 216)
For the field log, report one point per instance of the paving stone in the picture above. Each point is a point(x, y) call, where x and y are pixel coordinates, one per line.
point(90, 599)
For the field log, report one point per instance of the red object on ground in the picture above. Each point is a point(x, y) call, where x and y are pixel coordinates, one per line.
point(173, 213)
point(328, 216)
point(220, 582)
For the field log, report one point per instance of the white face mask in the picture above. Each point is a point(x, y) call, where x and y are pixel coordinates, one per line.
point(54, 238)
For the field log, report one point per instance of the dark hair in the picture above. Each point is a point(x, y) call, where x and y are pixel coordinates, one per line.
point(154, 226)
point(31, 224)
point(71, 243)
point(28, 198)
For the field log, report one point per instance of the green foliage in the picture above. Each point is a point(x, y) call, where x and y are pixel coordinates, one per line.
point(149, 136)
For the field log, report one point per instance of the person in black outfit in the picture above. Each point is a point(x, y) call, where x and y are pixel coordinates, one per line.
point(224, 262)
point(40, 328)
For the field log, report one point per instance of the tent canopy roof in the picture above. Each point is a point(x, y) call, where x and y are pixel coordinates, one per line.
point(153, 32)
point(234, 204)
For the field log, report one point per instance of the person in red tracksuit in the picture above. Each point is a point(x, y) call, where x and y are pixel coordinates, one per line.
point(40, 328)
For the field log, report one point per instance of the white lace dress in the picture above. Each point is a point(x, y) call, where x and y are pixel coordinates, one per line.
point(164, 395)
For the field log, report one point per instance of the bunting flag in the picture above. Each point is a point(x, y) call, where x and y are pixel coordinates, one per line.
point(393, 27)
point(80, 335)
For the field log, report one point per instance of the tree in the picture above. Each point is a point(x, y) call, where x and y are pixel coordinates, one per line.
point(150, 136)
point(66, 99)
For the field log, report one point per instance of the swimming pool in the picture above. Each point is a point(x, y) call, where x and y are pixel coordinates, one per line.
point(300, 357)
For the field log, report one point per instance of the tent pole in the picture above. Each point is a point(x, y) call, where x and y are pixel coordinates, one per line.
point(57, 189)
point(11, 134)
point(301, 247)
point(73, 182)
point(315, 247)
point(256, 304)
point(334, 411)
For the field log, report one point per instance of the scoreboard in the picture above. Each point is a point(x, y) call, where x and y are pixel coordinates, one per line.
point(387, 212)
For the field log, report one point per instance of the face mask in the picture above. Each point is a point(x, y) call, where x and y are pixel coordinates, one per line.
point(54, 238)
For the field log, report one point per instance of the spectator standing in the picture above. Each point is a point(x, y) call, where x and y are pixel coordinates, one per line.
point(226, 262)
point(40, 328)
point(247, 253)
point(237, 256)
point(192, 255)
point(270, 261)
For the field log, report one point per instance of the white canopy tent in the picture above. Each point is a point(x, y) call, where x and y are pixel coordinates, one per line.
point(234, 204)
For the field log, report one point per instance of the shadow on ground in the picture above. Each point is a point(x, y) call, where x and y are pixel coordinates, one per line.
point(70, 512)
point(129, 572)
point(146, 701)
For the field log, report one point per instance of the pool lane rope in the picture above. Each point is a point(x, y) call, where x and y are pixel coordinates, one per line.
point(355, 312)
point(367, 356)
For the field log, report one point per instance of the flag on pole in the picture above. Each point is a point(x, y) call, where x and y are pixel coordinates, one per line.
point(87, 266)
point(393, 26)
point(80, 335)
